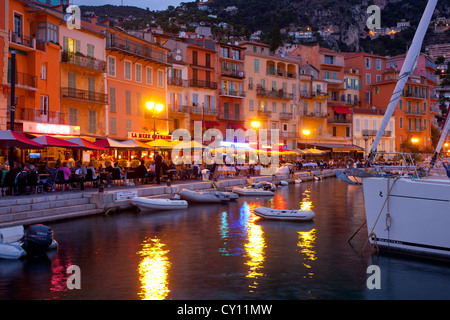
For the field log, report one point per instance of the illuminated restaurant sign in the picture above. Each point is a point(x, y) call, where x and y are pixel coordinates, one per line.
point(48, 128)
point(149, 136)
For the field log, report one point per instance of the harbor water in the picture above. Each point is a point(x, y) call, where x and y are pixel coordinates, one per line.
point(226, 252)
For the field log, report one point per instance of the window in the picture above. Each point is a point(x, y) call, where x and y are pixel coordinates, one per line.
point(44, 105)
point(127, 101)
point(235, 54)
point(112, 99)
point(368, 63)
point(112, 66)
point(256, 65)
point(149, 75)
point(378, 77)
point(160, 78)
point(44, 71)
point(357, 125)
point(251, 105)
point(92, 121)
point(73, 117)
point(347, 131)
point(368, 78)
point(18, 25)
point(113, 125)
point(128, 125)
point(208, 60)
point(128, 70)
point(139, 103)
point(194, 58)
point(224, 52)
point(138, 72)
point(90, 50)
point(72, 80)
point(378, 64)
point(334, 132)
point(52, 32)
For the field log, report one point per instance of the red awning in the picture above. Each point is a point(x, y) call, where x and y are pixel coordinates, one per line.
point(210, 124)
point(237, 126)
point(342, 110)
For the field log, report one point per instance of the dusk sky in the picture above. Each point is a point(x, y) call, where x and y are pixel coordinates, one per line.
point(151, 4)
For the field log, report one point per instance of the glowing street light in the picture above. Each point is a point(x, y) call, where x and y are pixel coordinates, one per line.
point(255, 124)
point(158, 107)
point(306, 133)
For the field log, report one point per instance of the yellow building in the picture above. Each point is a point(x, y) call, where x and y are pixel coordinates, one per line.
point(272, 92)
point(313, 106)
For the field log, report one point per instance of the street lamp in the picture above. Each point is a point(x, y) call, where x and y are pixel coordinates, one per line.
point(255, 124)
point(158, 107)
point(306, 133)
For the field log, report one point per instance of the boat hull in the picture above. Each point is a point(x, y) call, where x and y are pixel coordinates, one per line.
point(415, 217)
point(159, 204)
point(252, 192)
point(206, 197)
point(288, 215)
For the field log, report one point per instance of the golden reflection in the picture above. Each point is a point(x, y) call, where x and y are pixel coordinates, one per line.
point(153, 270)
point(278, 202)
point(254, 248)
point(306, 242)
point(306, 203)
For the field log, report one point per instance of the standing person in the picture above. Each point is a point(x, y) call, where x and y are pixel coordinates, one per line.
point(158, 167)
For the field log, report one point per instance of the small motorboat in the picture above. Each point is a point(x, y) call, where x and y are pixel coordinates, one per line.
point(249, 191)
point(15, 244)
point(279, 214)
point(207, 196)
point(158, 204)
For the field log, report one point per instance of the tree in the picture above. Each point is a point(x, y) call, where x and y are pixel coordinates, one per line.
point(275, 37)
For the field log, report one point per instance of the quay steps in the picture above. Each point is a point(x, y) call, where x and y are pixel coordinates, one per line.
point(25, 210)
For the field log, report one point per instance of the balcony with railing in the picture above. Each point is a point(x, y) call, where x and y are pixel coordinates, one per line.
point(178, 111)
point(415, 129)
point(286, 115)
point(238, 74)
point(207, 111)
point(232, 93)
point(417, 112)
point(83, 61)
point(337, 120)
point(23, 42)
point(202, 84)
point(314, 114)
point(332, 61)
point(233, 117)
point(137, 49)
point(415, 95)
point(84, 95)
point(264, 113)
point(313, 94)
point(276, 94)
point(177, 82)
point(33, 115)
point(373, 133)
point(24, 80)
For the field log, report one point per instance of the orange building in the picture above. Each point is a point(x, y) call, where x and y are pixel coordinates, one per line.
point(4, 14)
point(136, 76)
point(33, 35)
point(414, 114)
point(371, 68)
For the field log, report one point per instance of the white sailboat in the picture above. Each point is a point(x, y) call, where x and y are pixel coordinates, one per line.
point(407, 213)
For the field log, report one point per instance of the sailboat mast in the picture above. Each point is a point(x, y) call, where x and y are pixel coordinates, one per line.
point(408, 67)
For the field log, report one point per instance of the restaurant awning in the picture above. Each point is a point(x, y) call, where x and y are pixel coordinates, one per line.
point(340, 147)
point(160, 143)
point(342, 110)
point(10, 138)
point(110, 143)
point(49, 141)
point(136, 144)
point(85, 144)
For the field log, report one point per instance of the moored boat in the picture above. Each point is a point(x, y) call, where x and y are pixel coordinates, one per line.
point(15, 244)
point(282, 214)
point(207, 196)
point(158, 204)
point(249, 191)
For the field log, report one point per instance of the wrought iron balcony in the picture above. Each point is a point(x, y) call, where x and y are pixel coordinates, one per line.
point(84, 95)
point(83, 61)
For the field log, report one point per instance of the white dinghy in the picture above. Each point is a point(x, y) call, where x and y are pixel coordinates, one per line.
point(249, 191)
point(278, 214)
point(9, 243)
point(158, 204)
point(16, 244)
point(207, 196)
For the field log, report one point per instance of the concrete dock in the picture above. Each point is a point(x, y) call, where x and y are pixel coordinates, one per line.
point(46, 207)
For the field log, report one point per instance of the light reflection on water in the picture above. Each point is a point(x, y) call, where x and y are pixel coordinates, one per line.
point(153, 270)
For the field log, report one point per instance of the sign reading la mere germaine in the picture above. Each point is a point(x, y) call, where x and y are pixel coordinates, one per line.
point(148, 136)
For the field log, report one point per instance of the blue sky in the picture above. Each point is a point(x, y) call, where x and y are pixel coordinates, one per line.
point(151, 4)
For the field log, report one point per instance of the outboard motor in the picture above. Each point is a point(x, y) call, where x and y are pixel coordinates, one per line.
point(37, 239)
